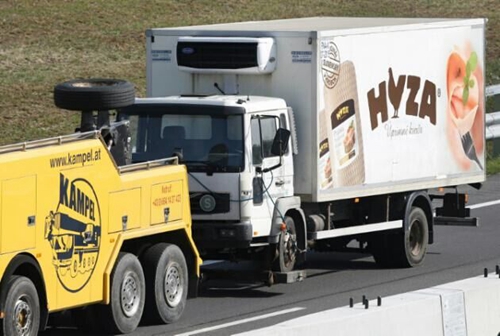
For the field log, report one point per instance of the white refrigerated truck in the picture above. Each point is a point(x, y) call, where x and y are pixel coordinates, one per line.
point(316, 132)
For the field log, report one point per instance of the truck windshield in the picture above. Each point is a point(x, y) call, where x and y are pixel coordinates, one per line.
point(211, 142)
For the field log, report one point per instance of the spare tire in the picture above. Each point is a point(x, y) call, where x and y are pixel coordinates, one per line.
point(94, 94)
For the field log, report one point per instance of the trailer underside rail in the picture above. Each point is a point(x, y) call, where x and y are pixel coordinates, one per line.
point(454, 221)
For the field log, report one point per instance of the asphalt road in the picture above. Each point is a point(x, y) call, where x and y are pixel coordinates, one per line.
point(229, 307)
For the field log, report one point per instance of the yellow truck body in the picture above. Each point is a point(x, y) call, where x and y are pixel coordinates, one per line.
point(67, 211)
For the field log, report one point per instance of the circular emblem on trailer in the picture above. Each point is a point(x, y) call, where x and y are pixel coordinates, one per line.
point(73, 231)
point(330, 63)
point(207, 203)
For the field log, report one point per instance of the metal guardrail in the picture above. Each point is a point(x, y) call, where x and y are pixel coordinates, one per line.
point(493, 118)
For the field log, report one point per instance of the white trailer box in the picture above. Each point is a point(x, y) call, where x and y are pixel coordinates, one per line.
point(380, 111)
point(382, 105)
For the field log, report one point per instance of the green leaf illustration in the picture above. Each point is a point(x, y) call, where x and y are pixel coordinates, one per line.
point(473, 61)
point(465, 96)
point(469, 83)
point(468, 70)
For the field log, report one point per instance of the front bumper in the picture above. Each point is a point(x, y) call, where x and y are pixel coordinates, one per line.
point(208, 235)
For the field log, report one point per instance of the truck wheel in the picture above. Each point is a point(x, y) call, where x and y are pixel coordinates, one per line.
point(94, 94)
point(166, 275)
point(21, 308)
point(403, 249)
point(128, 293)
point(416, 238)
point(287, 248)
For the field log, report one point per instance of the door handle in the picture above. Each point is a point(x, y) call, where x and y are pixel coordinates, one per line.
point(31, 220)
point(279, 183)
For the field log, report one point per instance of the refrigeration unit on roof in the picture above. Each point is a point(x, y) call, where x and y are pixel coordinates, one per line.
point(226, 55)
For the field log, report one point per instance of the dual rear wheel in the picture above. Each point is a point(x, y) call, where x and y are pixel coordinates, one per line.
point(152, 289)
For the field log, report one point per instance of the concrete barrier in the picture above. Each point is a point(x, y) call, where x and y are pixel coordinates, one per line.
point(481, 304)
point(468, 307)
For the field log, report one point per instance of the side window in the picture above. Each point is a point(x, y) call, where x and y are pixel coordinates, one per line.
point(263, 132)
point(285, 126)
point(268, 131)
point(256, 142)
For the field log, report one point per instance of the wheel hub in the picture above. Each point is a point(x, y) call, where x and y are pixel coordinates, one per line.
point(130, 294)
point(416, 238)
point(23, 316)
point(290, 247)
point(173, 285)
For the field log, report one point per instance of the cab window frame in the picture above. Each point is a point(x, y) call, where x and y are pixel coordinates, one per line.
point(264, 128)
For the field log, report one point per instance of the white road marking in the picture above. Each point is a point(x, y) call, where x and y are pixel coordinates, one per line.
point(485, 204)
point(250, 319)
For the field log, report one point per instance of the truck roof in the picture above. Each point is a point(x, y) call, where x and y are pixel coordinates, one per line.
point(312, 24)
point(251, 103)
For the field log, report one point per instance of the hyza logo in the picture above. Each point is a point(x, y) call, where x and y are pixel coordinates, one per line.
point(330, 63)
point(74, 233)
point(393, 91)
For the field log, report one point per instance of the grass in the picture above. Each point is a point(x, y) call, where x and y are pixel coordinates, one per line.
point(44, 42)
point(493, 166)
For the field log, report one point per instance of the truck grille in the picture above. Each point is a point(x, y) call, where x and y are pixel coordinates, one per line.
point(209, 203)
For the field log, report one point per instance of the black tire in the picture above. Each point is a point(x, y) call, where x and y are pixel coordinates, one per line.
point(416, 238)
point(21, 308)
point(94, 94)
point(167, 281)
point(286, 255)
point(404, 249)
point(128, 294)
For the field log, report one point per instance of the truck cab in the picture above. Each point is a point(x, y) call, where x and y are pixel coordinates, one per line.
point(240, 189)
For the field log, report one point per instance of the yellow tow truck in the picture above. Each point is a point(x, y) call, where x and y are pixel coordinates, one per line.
point(82, 229)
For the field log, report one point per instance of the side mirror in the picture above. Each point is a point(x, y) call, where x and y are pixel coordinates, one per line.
point(280, 142)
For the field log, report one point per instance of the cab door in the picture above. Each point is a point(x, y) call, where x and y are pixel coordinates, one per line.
point(269, 181)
